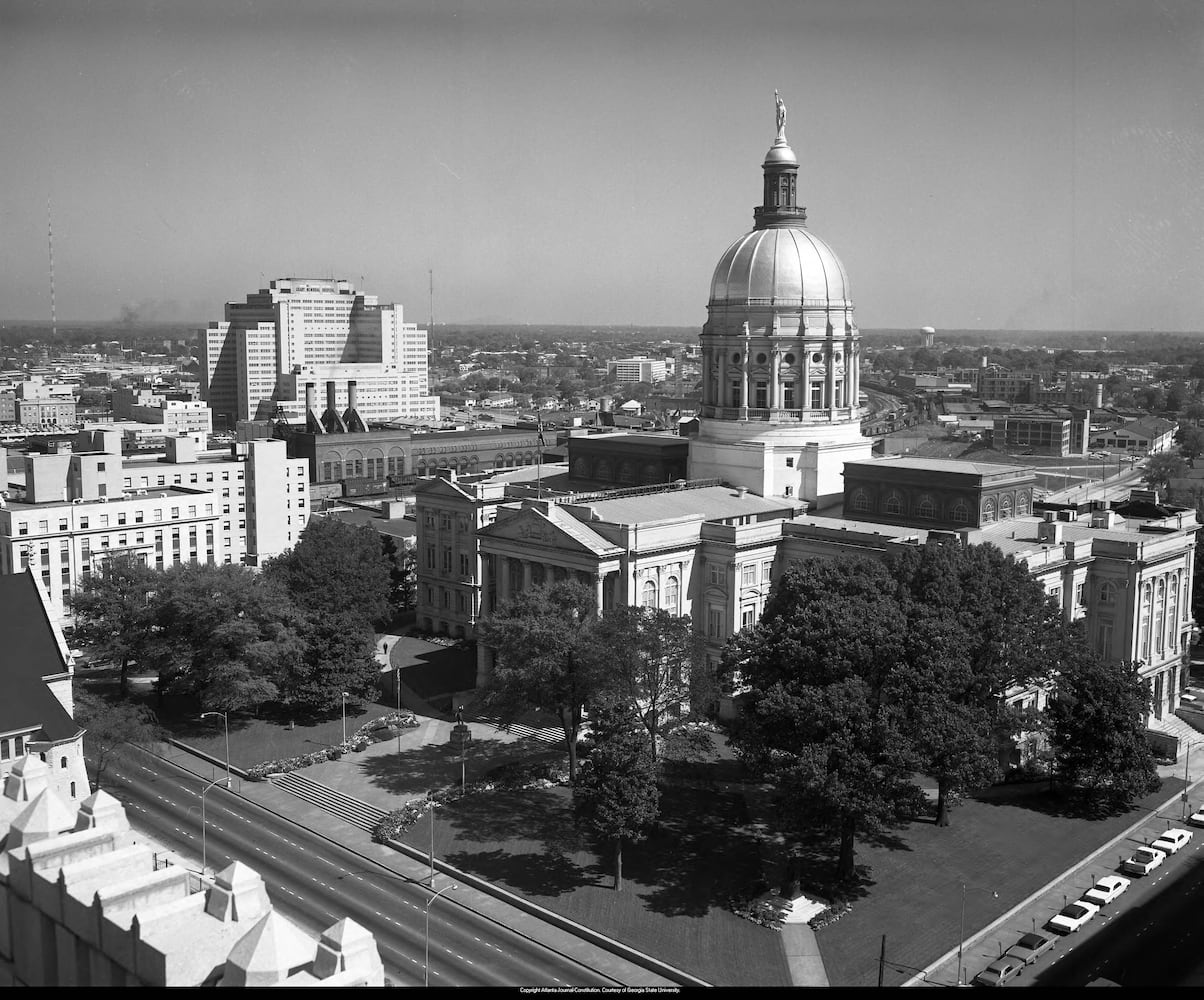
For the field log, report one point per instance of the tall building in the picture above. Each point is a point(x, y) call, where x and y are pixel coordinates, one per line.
point(256, 363)
point(781, 354)
point(636, 370)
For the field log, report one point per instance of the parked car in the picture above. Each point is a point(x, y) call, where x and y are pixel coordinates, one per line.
point(1106, 890)
point(1196, 818)
point(1071, 918)
point(1031, 946)
point(1143, 861)
point(1000, 971)
point(1172, 841)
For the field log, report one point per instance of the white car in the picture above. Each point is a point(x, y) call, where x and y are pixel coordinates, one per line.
point(1172, 841)
point(1143, 861)
point(1106, 890)
point(1196, 818)
point(1072, 917)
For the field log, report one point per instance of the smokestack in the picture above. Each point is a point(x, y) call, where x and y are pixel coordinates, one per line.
point(330, 396)
point(351, 398)
point(354, 423)
point(311, 396)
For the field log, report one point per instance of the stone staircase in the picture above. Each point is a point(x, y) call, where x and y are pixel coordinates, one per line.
point(346, 807)
point(1172, 725)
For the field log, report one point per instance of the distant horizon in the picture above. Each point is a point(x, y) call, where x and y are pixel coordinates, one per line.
point(480, 324)
point(973, 164)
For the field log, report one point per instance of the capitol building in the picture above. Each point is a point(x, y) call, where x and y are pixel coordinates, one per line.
point(780, 472)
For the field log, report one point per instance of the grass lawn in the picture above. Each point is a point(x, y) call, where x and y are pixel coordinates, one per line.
point(716, 839)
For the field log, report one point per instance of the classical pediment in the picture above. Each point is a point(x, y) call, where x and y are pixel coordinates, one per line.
point(554, 530)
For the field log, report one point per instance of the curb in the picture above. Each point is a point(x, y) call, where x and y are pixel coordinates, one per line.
point(518, 902)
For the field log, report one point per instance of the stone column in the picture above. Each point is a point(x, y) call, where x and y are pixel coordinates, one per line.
point(526, 574)
point(775, 388)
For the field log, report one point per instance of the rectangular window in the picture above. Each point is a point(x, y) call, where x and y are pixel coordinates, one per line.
point(175, 513)
point(748, 617)
point(104, 520)
point(192, 511)
point(447, 560)
point(463, 564)
point(748, 574)
point(83, 523)
point(138, 516)
point(158, 515)
point(714, 623)
point(718, 575)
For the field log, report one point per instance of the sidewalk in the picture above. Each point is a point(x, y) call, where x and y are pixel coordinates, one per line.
point(986, 945)
point(349, 775)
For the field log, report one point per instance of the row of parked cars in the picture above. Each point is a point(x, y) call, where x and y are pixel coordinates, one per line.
point(1075, 915)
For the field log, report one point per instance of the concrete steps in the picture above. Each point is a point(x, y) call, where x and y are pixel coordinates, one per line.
point(346, 807)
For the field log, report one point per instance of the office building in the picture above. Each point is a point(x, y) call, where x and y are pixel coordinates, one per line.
point(256, 363)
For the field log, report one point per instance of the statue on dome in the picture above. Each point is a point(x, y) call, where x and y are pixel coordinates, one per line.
point(781, 114)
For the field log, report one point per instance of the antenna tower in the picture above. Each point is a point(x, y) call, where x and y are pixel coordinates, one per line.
point(431, 275)
point(54, 326)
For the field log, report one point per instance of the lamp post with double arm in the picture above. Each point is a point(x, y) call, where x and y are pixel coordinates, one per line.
point(961, 934)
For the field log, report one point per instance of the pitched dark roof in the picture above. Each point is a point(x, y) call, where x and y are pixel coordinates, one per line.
point(29, 654)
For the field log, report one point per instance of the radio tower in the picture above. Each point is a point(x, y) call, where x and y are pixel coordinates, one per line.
point(431, 276)
point(54, 326)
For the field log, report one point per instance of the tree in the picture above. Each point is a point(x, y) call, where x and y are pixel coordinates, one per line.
point(403, 573)
point(656, 667)
point(336, 567)
point(1160, 469)
point(1097, 729)
point(977, 625)
point(615, 794)
point(338, 653)
point(111, 726)
point(817, 723)
point(546, 657)
point(219, 633)
point(111, 611)
point(1191, 441)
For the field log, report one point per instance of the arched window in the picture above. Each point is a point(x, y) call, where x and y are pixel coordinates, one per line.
point(1172, 612)
point(961, 513)
point(1160, 617)
point(1107, 592)
point(988, 511)
point(1022, 505)
point(894, 505)
point(648, 595)
point(672, 595)
point(861, 500)
point(926, 508)
point(1005, 508)
point(1143, 642)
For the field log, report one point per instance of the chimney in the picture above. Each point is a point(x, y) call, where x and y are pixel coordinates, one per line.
point(354, 423)
point(311, 396)
point(330, 396)
point(351, 396)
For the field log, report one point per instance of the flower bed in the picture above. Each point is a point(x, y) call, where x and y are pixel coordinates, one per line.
point(375, 731)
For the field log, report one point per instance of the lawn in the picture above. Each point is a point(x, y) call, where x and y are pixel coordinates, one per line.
point(716, 839)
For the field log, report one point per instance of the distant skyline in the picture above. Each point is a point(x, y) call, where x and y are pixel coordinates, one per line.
point(975, 164)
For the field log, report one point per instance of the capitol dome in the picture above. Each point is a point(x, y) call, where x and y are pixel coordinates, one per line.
point(781, 266)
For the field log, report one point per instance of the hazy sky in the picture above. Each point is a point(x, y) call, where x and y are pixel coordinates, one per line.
point(974, 163)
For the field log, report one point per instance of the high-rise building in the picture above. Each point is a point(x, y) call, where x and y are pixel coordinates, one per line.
point(780, 354)
point(256, 363)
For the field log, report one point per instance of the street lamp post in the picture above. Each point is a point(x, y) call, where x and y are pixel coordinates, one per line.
point(398, 672)
point(961, 935)
point(426, 972)
point(1186, 778)
point(204, 842)
point(226, 722)
point(344, 717)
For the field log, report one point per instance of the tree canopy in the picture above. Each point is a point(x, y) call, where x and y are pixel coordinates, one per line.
point(112, 614)
point(546, 656)
point(337, 568)
point(615, 794)
point(1097, 729)
point(1160, 469)
point(977, 624)
point(817, 722)
point(655, 667)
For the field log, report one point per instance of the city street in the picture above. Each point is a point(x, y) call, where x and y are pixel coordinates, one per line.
point(317, 882)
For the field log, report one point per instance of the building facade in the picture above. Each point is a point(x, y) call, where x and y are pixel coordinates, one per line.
point(636, 370)
point(255, 364)
point(76, 509)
